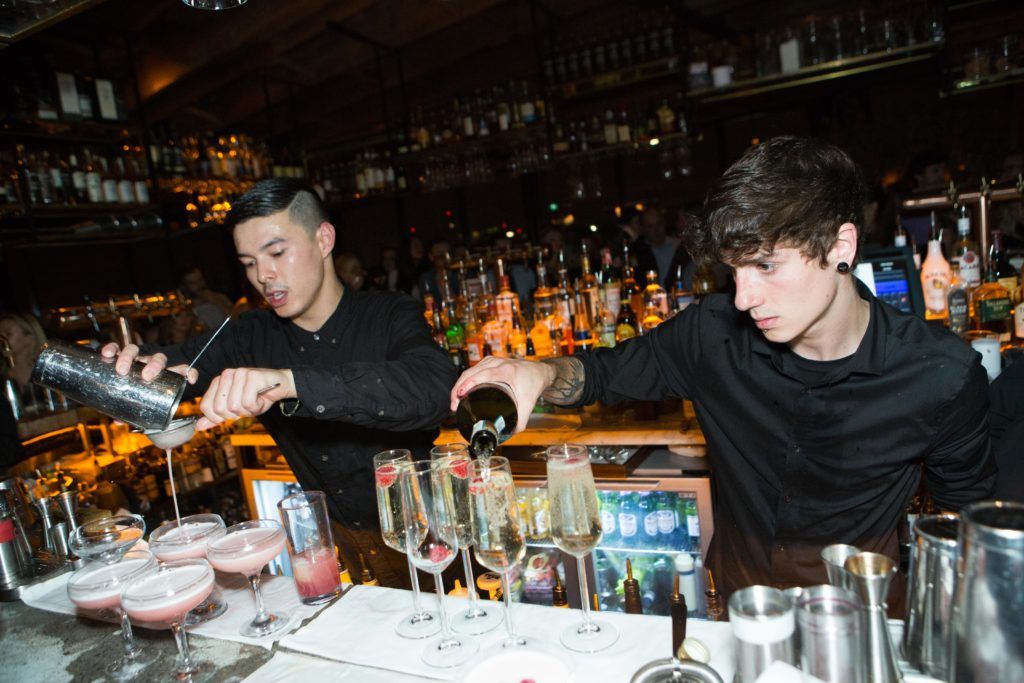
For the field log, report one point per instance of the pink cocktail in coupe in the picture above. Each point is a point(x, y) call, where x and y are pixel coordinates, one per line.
point(166, 594)
point(186, 539)
point(97, 587)
point(245, 548)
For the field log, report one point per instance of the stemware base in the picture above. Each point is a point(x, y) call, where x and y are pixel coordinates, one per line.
point(592, 637)
point(473, 622)
point(420, 625)
point(274, 623)
point(128, 668)
point(445, 653)
point(199, 672)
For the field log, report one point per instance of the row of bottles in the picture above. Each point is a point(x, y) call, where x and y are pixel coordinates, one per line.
point(956, 293)
point(600, 309)
point(376, 171)
point(87, 176)
point(39, 93)
point(487, 112)
point(201, 461)
point(206, 156)
point(650, 38)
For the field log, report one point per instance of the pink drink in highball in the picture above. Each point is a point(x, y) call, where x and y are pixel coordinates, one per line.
point(315, 572)
point(246, 551)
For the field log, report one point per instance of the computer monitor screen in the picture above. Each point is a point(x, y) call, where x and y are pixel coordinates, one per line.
point(890, 274)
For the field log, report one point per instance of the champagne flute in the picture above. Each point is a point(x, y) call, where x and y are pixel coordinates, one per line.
point(431, 542)
point(386, 466)
point(454, 462)
point(497, 528)
point(166, 594)
point(576, 529)
point(245, 548)
point(97, 586)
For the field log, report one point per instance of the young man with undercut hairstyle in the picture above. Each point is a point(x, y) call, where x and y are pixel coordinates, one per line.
point(354, 373)
point(819, 403)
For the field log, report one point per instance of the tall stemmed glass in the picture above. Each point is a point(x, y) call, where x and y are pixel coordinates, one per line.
point(97, 586)
point(245, 548)
point(454, 461)
point(431, 542)
point(386, 466)
point(166, 594)
point(576, 529)
point(497, 528)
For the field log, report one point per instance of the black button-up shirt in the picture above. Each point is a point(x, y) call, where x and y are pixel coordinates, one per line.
point(802, 459)
point(372, 378)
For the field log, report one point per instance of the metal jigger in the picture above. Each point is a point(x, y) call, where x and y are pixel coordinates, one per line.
point(68, 501)
point(45, 516)
point(870, 575)
point(834, 557)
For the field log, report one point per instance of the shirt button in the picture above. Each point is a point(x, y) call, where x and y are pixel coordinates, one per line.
point(787, 498)
point(320, 409)
point(324, 458)
point(302, 349)
point(380, 413)
point(316, 337)
point(341, 491)
point(779, 548)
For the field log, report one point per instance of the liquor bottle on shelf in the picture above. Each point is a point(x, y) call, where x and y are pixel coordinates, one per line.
point(629, 524)
point(486, 417)
point(992, 308)
point(999, 262)
point(681, 297)
point(957, 303)
point(543, 296)
point(582, 327)
point(517, 338)
point(655, 296)
point(935, 277)
point(965, 253)
point(631, 290)
point(605, 325)
point(506, 300)
point(588, 283)
point(610, 282)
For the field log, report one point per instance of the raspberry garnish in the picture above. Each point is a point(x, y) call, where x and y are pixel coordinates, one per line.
point(386, 475)
point(439, 553)
point(460, 468)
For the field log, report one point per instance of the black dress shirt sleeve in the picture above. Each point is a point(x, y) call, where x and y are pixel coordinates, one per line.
point(959, 467)
point(409, 391)
point(657, 365)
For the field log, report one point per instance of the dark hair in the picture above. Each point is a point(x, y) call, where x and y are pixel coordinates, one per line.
point(787, 191)
point(268, 197)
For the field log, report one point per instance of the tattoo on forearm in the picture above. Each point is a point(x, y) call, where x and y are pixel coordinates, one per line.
point(568, 385)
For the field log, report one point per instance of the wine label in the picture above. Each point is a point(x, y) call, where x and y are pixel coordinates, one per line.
point(991, 310)
point(666, 522)
point(693, 526)
point(970, 269)
point(540, 522)
point(627, 525)
point(651, 524)
point(607, 522)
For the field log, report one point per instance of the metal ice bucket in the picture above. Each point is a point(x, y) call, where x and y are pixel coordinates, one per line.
point(989, 616)
point(90, 379)
point(928, 636)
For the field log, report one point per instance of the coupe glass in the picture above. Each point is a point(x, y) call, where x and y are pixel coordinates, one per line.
point(454, 461)
point(431, 541)
point(576, 529)
point(169, 541)
point(386, 466)
point(497, 528)
point(107, 539)
point(97, 586)
point(165, 594)
point(245, 548)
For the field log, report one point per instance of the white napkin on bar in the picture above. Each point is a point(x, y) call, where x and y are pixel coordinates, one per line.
point(360, 629)
point(291, 667)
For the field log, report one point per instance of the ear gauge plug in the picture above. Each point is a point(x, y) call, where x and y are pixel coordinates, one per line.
point(843, 267)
